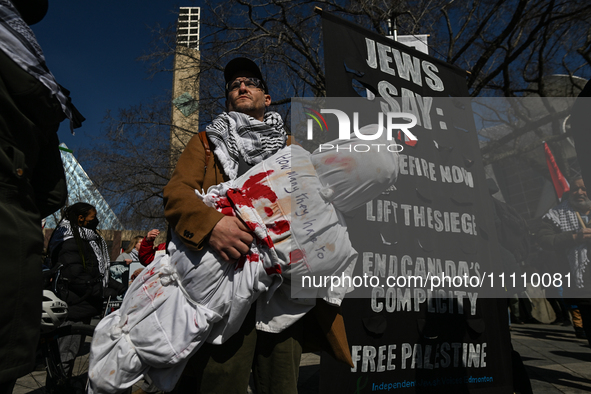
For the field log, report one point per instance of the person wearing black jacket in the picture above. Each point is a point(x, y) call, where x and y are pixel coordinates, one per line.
point(83, 280)
point(81, 258)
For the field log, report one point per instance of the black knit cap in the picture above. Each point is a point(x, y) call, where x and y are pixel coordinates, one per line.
point(243, 64)
point(32, 11)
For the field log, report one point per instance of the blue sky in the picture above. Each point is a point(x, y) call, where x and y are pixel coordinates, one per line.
point(91, 48)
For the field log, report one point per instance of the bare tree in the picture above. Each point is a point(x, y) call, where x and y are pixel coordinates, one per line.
point(130, 164)
point(507, 48)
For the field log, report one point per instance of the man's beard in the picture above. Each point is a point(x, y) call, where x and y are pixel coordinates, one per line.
point(581, 206)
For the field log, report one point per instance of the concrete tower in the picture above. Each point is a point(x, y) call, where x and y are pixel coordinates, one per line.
point(185, 89)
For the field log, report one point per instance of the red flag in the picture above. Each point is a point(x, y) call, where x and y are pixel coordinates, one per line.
point(560, 183)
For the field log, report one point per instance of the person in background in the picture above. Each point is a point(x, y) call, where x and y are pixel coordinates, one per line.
point(82, 252)
point(83, 281)
point(32, 180)
point(147, 250)
point(131, 254)
point(120, 272)
point(566, 230)
point(579, 122)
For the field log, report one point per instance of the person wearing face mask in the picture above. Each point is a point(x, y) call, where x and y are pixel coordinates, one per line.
point(84, 279)
point(131, 254)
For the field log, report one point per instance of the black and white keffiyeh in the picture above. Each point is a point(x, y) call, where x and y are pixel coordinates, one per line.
point(564, 216)
point(235, 134)
point(19, 43)
point(98, 244)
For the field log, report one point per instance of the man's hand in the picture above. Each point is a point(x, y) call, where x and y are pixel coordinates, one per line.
point(152, 234)
point(583, 236)
point(230, 238)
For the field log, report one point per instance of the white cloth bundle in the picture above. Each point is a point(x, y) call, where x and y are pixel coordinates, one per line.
point(180, 301)
point(355, 171)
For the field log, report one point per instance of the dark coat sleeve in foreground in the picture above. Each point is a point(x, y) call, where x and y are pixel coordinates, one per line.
point(32, 186)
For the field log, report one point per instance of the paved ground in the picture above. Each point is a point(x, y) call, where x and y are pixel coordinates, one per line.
point(556, 361)
point(34, 382)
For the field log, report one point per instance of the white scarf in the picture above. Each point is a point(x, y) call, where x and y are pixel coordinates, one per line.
point(98, 244)
point(236, 135)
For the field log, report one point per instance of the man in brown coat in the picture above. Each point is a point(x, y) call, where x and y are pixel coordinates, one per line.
point(239, 138)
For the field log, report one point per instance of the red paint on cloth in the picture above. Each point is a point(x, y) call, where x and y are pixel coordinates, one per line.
point(296, 255)
point(276, 269)
point(238, 199)
point(279, 227)
point(251, 225)
point(224, 206)
point(228, 211)
point(222, 202)
point(330, 159)
point(345, 163)
point(240, 263)
point(268, 211)
point(249, 258)
point(268, 242)
point(255, 190)
point(252, 190)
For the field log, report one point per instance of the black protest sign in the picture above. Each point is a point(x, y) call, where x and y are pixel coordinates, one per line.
point(436, 221)
point(387, 68)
